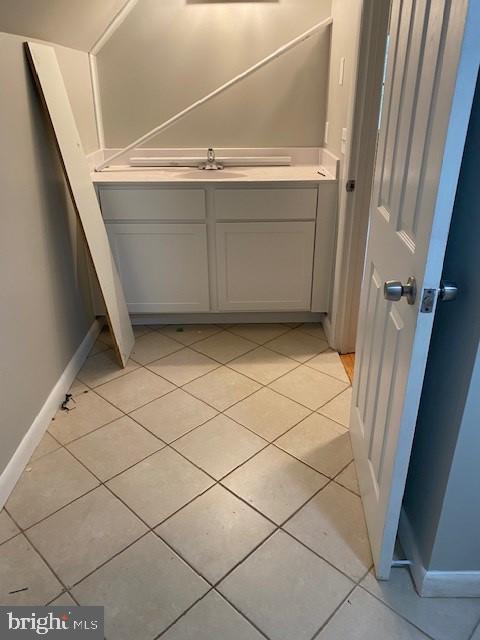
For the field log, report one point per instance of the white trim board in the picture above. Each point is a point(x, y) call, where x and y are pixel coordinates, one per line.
point(39, 426)
point(435, 584)
point(49, 81)
point(97, 103)
point(113, 26)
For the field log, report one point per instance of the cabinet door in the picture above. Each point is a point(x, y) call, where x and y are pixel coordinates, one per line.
point(163, 267)
point(265, 266)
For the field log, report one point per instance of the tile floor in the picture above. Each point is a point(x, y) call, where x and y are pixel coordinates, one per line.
point(207, 492)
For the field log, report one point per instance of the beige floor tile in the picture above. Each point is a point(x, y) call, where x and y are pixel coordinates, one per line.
point(263, 365)
point(78, 387)
point(102, 368)
point(46, 445)
point(259, 333)
point(298, 345)
point(219, 445)
point(348, 478)
point(286, 590)
point(138, 331)
point(222, 388)
point(24, 571)
point(51, 482)
point(338, 409)
point(160, 485)
point(275, 483)
point(267, 413)
point(213, 618)
point(173, 415)
point(183, 366)
point(441, 618)
point(85, 534)
point(224, 346)
point(189, 333)
point(363, 617)
point(143, 589)
point(113, 448)
point(98, 347)
point(152, 346)
point(314, 329)
point(8, 528)
point(320, 442)
point(329, 362)
point(333, 525)
point(308, 387)
point(65, 600)
point(215, 532)
point(87, 413)
point(134, 390)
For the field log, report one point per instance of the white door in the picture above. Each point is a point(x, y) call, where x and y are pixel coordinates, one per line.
point(430, 80)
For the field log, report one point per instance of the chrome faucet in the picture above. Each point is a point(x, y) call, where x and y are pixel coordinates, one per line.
point(211, 164)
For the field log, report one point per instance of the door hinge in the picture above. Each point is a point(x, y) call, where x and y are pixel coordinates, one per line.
point(350, 186)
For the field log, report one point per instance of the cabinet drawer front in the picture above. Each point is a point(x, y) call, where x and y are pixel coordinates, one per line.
point(152, 204)
point(266, 204)
point(265, 266)
point(163, 267)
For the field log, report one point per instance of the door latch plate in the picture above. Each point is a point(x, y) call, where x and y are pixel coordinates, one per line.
point(428, 300)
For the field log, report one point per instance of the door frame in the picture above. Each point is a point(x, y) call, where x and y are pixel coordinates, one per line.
point(353, 208)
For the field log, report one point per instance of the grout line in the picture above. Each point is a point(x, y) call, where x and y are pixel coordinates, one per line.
point(475, 628)
point(65, 587)
point(182, 615)
point(388, 606)
point(215, 482)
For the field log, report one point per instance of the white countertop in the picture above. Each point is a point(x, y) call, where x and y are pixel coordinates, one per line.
point(173, 175)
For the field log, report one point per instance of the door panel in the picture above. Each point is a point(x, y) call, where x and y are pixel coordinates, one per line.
point(265, 266)
point(430, 79)
point(163, 267)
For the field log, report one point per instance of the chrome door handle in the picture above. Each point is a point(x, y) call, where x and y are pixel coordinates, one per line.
point(394, 290)
point(448, 291)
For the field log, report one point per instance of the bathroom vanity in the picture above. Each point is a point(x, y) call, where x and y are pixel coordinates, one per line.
point(245, 239)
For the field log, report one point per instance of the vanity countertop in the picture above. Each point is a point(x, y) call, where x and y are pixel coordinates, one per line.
point(189, 175)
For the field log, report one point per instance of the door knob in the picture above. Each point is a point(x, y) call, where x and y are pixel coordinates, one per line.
point(394, 290)
point(448, 291)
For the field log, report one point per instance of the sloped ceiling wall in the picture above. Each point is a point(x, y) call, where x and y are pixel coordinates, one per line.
point(73, 23)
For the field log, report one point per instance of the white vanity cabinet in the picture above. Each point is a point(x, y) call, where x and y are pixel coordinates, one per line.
point(158, 238)
point(265, 266)
point(163, 266)
point(265, 242)
point(222, 247)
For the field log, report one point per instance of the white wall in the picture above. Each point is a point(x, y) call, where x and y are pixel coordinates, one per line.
point(346, 16)
point(75, 69)
point(45, 309)
point(167, 54)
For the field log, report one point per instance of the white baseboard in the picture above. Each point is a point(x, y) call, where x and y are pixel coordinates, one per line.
point(37, 429)
point(435, 584)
